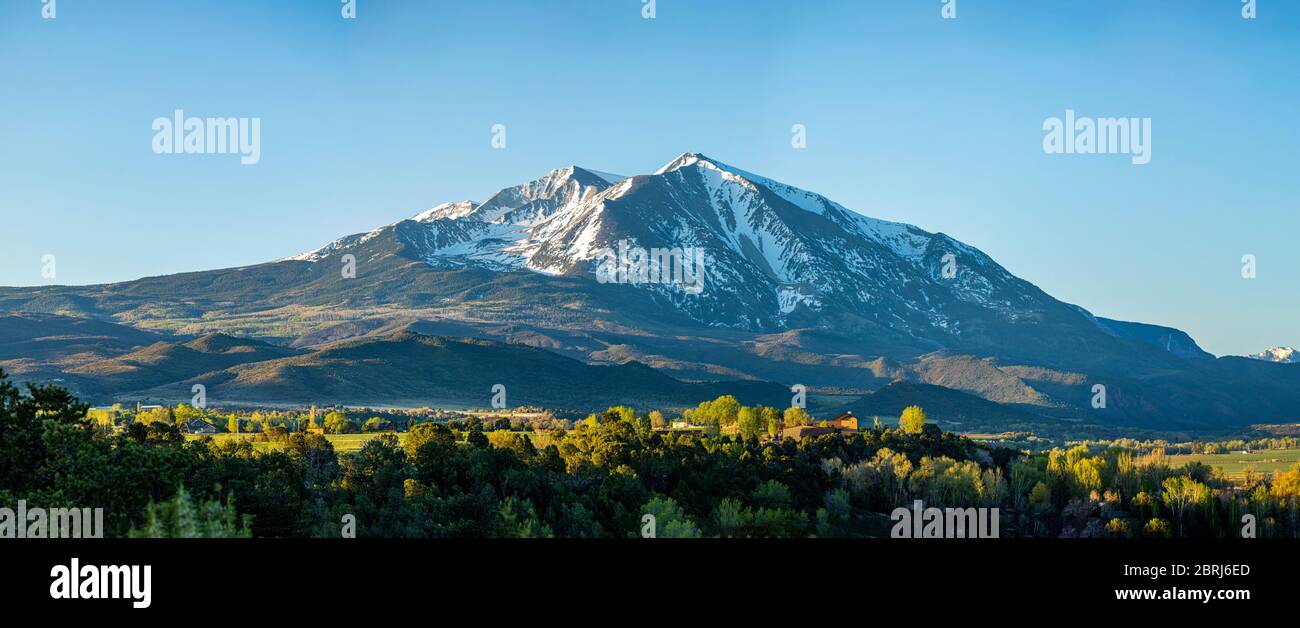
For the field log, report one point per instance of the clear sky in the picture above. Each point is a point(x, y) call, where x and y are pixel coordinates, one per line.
point(909, 116)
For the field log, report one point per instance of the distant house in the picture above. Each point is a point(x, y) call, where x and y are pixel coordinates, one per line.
point(196, 426)
point(801, 432)
point(845, 421)
point(681, 427)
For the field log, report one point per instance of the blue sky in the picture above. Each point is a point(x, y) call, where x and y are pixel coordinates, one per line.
point(910, 117)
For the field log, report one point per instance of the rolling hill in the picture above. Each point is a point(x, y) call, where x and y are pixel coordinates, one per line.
point(410, 368)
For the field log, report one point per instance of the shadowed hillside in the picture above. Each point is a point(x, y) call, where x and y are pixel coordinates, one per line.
point(407, 367)
point(172, 362)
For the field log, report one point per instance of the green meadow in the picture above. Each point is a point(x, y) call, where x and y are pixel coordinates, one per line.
point(1235, 465)
point(343, 443)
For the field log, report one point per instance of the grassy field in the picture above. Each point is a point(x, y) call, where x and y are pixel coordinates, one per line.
point(1235, 465)
point(343, 443)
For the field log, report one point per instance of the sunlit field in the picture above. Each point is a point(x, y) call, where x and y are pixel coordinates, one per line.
point(1235, 465)
point(343, 443)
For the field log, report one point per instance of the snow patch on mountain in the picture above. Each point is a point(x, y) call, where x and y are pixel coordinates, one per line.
point(446, 210)
point(1285, 355)
point(770, 247)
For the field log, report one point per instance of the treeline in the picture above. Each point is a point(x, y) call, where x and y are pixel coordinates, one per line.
point(268, 420)
point(1117, 493)
point(1197, 447)
point(599, 480)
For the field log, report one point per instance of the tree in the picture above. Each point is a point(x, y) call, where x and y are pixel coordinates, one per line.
point(1040, 498)
point(1118, 528)
point(1157, 528)
point(1180, 493)
point(338, 423)
point(424, 433)
point(478, 440)
point(732, 517)
point(155, 415)
point(618, 413)
point(183, 517)
point(232, 424)
point(724, 410)
point(1286, 488)
point(185, 414)
point(657, 420)
point(670, 521)
point(748, 422)
point(518, 519)
point(913, 420)
point(772, 494)
point(794, 417)
point(376, 424)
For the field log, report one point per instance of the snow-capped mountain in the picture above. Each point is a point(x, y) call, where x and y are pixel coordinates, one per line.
point(1278, 354)
point(795, 289)
point(774, 254)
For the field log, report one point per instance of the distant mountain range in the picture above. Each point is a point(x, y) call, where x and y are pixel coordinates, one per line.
point(797, 289)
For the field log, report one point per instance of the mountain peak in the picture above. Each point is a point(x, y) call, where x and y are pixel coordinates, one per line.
point(584, 175)
point(609, 177)
point(775, 251)
point(1285, 355)
point(446, 210)
point(683, 160)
